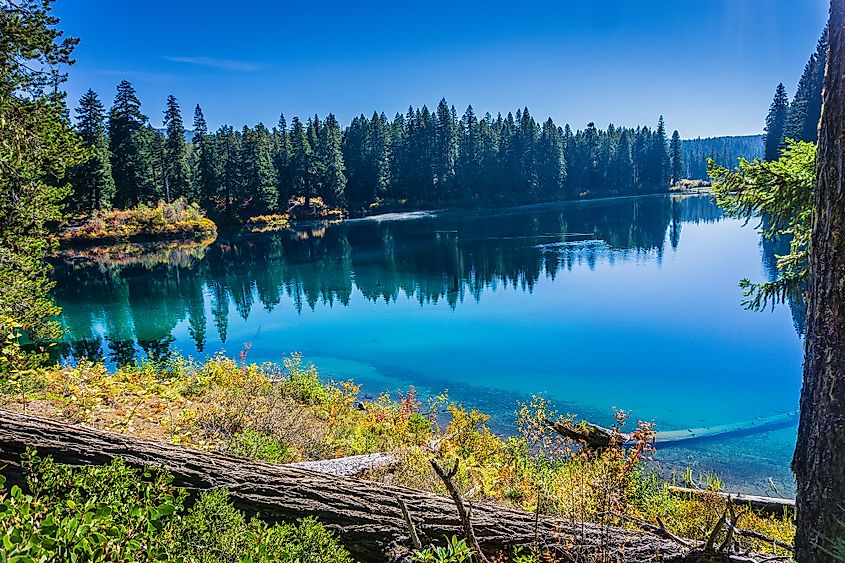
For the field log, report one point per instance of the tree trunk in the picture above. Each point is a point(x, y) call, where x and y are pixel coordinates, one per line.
point(819, 461)
point(368, 516)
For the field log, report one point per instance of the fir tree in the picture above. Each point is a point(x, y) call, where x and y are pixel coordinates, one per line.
point(176, 174)
point(205, 172)
point(93, 186)
point(332, 182)
point(282, 154)
point(775, 124)
point(302, 167)
point(258, 176)
point(676, 156)
point(802, 120)
point(130, 161)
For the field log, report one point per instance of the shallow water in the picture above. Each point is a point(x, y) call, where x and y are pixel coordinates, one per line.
point(630, 303)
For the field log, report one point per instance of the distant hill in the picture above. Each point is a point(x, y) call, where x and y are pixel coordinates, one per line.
point(726, 151)
point(189, 135)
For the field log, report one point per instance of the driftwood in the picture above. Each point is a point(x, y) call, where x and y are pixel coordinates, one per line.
point(368, 516)
point(595, 436)
point(768, 505)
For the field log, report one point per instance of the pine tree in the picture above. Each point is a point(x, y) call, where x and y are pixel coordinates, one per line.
point(93, 186)
point(775, 124)
point(445, 151)
point(229, 168)
point(802, 119)
point(205, 173)
point(131, 166)
point(154, 155)
point(282, 154)
point(550, 162)
point(176, 173)
point(332, 182)
point(302, 163)
point(661, 154)
point(676, 156)
point(258, 175)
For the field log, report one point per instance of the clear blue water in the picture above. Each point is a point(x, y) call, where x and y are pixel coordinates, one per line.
point(630, 303)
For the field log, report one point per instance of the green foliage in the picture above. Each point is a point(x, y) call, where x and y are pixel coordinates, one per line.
point(119, 513)
point(258, 445)
point(780, 195)
point(303, 382)
point(37, 146)
point(455, 551)
point(176, 220)
point(93, 513)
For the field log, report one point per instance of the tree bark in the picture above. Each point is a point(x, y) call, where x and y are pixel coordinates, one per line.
point(819, 461)
point(368, 516)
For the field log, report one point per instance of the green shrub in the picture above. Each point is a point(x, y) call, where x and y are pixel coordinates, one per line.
point(303, 383)
point(119, 513)
point(455, 551)
point(258, 445)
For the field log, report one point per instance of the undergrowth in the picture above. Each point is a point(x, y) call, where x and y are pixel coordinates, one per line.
point(120, 513)
point(178, 219)
point(283, 413)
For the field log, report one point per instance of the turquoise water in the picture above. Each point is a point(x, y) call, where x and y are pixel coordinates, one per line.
point(630, 303)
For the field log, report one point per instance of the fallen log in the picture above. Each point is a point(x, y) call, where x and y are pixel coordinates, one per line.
point(595, 436)
point(366, 515)
point(768, 505)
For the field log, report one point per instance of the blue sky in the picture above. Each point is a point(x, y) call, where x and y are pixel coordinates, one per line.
point(709, 66)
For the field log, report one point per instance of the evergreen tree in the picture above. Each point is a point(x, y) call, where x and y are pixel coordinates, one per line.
point(445, 151)
point(282, 155)
point(130, 159)
point(93, 186)
point(802, 120)
point(676, 156)
point(332, 182)
point(205, 173)
point(176, 173)
point(38, 145)
point(302, 167)
point(775, 124)
point(661, 154)
point(258, 176)
point(154, 154)
point(550, 162)
point(229, 168)
point(469, 159)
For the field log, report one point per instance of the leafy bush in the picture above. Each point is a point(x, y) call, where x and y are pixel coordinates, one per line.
point(162, 221)
point(455, 551)
point(118, 513)
point(258, 445)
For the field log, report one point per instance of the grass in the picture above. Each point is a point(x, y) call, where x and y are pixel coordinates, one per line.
point(283, 413)
point(164, 221)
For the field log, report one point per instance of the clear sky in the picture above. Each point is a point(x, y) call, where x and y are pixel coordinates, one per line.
point(709, 66)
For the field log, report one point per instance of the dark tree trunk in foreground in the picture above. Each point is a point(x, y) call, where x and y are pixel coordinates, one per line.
point(819, 461)
point(367, 515)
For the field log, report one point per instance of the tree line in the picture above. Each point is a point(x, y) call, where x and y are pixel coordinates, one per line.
point(797, 120)
point(420, 157)
point(725, 151)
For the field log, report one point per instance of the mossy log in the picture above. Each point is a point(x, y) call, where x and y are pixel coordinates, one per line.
point(367, 515)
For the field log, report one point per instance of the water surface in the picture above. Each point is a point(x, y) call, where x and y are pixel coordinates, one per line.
point(630, 303)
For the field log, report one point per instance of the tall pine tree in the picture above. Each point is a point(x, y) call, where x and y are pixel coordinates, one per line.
point(676, 157)
point(130, 158)
point(775, 124)
point(176, 173)
point(93, 186)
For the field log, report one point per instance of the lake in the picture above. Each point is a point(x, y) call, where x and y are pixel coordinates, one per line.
point(630, 303)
